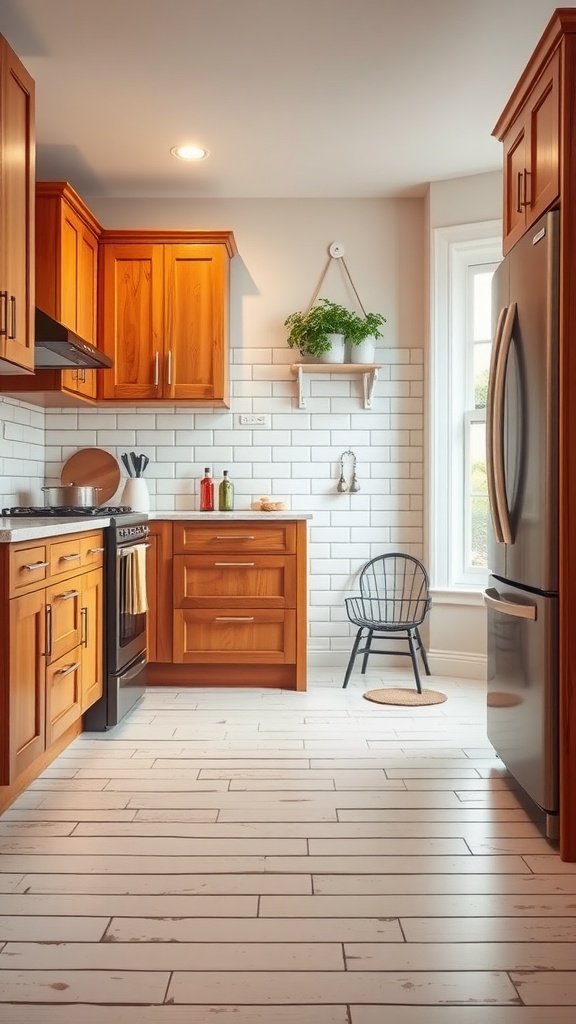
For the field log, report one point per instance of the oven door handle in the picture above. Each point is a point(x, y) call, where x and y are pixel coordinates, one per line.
point(124, 552)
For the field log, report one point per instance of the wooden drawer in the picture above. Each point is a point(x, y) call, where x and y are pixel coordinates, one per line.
point(28, 567)
point(63, 695)
point(238, 537)
point(92, 547)
point(63, 619)
point(264, 581)
point(218, 635)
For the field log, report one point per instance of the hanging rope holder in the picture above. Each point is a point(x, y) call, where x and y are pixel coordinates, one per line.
point(369, 373)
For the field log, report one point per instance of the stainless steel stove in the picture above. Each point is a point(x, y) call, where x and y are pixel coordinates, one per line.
point(64, 511)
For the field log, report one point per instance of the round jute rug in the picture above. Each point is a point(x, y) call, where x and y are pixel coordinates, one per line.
point(400, 695)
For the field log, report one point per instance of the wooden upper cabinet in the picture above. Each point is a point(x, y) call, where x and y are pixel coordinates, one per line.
point(164, 316)
point(532, 154)
point(17, 172)
point(67, 272)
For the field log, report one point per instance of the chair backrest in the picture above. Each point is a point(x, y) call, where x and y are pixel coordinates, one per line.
point(400, 585)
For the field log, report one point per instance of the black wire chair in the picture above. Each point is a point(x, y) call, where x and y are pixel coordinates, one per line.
point(394, 600)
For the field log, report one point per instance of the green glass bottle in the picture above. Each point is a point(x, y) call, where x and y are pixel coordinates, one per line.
point(225, 493)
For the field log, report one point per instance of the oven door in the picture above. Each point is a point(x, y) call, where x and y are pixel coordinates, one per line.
point(128, 638)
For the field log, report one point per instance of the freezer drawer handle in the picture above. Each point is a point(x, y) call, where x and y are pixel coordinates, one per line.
point(493, 600)
point(234, 618)
point(217, 564)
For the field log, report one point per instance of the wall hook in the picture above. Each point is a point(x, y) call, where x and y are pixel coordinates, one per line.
point(342, 486)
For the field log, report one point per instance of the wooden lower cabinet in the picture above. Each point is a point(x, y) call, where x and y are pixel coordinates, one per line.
point(237, 606)
point(24, 722)
point(51, 625)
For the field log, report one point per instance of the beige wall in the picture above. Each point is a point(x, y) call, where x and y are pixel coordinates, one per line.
point(457, 627)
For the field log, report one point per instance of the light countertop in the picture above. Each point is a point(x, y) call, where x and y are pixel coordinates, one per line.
point(19, 529)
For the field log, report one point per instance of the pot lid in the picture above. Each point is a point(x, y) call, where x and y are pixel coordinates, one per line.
point(93, 467)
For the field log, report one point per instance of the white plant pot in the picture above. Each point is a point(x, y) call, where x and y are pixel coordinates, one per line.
point(365, 352)
point(338, 350)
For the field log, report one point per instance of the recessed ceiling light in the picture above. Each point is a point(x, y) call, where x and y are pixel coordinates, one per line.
point(189, 152)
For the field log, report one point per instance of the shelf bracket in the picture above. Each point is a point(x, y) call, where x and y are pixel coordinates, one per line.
point(301, 398)
point(369, 379)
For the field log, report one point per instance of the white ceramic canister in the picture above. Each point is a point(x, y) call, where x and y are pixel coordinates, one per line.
point(136, 495)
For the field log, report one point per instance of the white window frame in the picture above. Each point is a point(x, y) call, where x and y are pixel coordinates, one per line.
point(454, 250)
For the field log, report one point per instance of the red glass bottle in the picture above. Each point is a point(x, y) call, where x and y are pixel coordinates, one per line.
point(207, 492)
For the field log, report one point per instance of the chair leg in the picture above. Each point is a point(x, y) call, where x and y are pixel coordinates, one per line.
point(423, 652)
point(352, 657)
point(368, 642)
point(413, 653)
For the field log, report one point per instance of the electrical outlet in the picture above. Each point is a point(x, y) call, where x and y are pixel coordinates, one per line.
point(254, 419)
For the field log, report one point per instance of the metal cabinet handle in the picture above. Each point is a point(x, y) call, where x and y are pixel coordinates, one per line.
point(238, 536)
point(68, 669)
point(234, 563)
point(526, 176)
point(4, 315)
point(94, 551)
point(67, 595)
point(156, 369)
point(84, 617)
point(12, 335)
point(169, 367)
point(35, 565)
point(48, 627)
point(70, 558)
point(234, 618)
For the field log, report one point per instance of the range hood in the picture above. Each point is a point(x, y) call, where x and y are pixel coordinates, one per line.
point(58, 348)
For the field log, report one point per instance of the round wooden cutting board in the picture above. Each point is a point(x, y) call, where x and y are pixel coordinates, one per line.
point(93, 467)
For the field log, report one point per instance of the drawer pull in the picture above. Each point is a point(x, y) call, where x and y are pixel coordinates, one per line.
point(70, 558)
point(68, 669)
point(95, 551)
point(35, 565)
point(237, 536)
point(67, 595)
point(234, 618)
point(234, 563)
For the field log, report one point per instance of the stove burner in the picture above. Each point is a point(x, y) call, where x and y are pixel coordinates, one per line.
point(45, 511)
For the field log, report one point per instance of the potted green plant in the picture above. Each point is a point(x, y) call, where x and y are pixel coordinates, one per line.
point(320, 331)
point(361, 335)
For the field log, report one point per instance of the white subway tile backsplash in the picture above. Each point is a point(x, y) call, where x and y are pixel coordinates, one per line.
point(296, 457)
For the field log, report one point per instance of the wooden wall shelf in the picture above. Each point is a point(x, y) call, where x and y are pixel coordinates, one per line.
point(369, 373)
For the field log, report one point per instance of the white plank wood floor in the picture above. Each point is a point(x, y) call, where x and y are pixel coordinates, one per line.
point(264, 857)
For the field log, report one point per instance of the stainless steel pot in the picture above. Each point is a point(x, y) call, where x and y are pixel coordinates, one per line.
point(70, 495)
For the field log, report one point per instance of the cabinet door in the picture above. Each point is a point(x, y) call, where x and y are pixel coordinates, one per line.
point(131, 321)
point(64, 620)
point(63, 701)
point(79, 264)
point(196, 299)
point(17, 172)
point(91, 611)
point(532, 156)
point(26, 717)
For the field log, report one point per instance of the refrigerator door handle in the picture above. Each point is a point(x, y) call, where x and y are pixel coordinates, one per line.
point(493, 600)
point(490, 426)
point(499, 387)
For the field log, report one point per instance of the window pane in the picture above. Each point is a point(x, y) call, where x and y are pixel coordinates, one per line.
point(481, 368)
point(482, 300)
point(478, 484)
point(479, 537)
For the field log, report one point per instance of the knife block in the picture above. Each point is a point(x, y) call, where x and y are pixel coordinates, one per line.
point(135, 494)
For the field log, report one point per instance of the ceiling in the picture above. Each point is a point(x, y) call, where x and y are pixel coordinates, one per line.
point(293, 98)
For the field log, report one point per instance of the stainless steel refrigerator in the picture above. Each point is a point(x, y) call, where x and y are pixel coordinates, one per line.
point(522, 468)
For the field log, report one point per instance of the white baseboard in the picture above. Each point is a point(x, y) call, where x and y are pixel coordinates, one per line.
point(442, 663)
point(457, 663)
